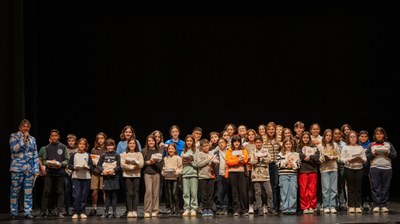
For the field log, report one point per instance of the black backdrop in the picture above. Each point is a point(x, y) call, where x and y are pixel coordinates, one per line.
point(98, 67)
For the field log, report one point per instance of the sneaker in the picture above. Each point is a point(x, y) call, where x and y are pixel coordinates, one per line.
point(272, 211)
point(236, 214)
point(193, 212)
point(13, 217)
point(260, 212)
point(251, 209)
point(352, 210)
point(333, 211)
point(246, 213)
point(306, 211)
point(358, 210)
point(204, 213)
point(134, 214)
point(265, 209)
point(28, 216)
point(147, 215)
point(326, 210)
point(186, 212)
point(376, 210)
point(210, 213)
point(114, 215)
point(75, 216)
point(129, 215)
point(83, 216)
point(93, 212)
point(154, 214)
point(224, 212)
point(384, 209)
point(60, 215)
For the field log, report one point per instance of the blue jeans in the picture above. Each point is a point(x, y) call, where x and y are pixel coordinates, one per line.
point(329, 188)
point(288, 188)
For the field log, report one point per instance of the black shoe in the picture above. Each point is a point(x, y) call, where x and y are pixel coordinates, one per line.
point(114, 216)
point(106, 215)
point(260, 212)
point(43, 214)
point(13, 217)
point(29, 216)
point(93, 212)
point(272, 212)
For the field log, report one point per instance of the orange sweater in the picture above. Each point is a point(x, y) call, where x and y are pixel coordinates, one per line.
point(232, 162)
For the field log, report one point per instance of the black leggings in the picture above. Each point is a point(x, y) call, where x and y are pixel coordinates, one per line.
point(111, 198)
point(171, 189)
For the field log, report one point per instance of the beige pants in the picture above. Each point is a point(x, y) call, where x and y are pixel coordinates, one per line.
point(151, 197)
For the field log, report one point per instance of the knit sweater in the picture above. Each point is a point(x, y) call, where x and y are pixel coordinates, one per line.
point(172, 162)
point(381, 161)
point(205, 166)
point(327, 164)
point(129, 168)
point(351, 151)
point(259, 165)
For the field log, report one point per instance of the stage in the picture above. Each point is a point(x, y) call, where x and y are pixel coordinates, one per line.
point(342, 217)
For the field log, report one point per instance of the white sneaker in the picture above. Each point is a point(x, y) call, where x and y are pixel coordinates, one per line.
point(352, 209)
point(154, 214)
point(358, 210)
point(193, 212)
point(376, 210)
point(306, 211)
point(186, 212)
point(83, 216)
point(134, 214)
point(384, 209)
point(326, 210)
point(310, 211)
point(147, 215)
point(333, 211)
point(251, 209)
point(129, 215)
point(265, 209)
point(75, 216)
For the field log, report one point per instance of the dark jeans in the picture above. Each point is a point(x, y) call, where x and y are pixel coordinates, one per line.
point(48, 183)
point(223, 193)
point(171, 196)
point(111, 199)
point(80, 192)
point(207, 193)
point(274, 177)
point(380, 185)
point(239, 191)
point(68, 193)
point(132, 193)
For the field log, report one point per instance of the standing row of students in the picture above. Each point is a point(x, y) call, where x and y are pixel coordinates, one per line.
point(250, 170)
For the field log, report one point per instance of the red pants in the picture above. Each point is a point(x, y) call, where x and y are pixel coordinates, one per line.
point(308, 190)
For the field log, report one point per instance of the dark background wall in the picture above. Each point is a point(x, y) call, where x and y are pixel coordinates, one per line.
point(90, 68)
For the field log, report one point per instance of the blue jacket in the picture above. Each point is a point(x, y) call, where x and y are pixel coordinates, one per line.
point(24, 155)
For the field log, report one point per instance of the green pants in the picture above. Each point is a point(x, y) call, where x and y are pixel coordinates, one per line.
point(190, 185)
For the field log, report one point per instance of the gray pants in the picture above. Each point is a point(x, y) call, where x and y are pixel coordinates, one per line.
point(258, 187)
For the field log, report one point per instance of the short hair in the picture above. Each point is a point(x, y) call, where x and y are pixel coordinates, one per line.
point(54, 130)
point(363, 132)
point(299, 124)
point(25, 121)
point(110, 141)
point(71, 136)
point(204, 141)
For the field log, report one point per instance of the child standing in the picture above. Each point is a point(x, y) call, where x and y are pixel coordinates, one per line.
point(223, 186)
point(189, 177)
point(110, 165)
point(206, 163)
point(96, 182)
point(288, 163)
point(172, 162)
point(366, 198)
point(341, 195)
point(259, 161)
point(308, 174)
point(131, 165)
point(380, 153)
point(153, 164)
point(353, 156)
point(236, 162)
point(330, 154)
point(71, 149)
point(81, 164)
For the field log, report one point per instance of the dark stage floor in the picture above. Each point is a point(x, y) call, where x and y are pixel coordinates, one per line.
point(342, 217)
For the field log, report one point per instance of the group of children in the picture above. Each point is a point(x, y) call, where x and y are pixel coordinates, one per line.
point(269, 171)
